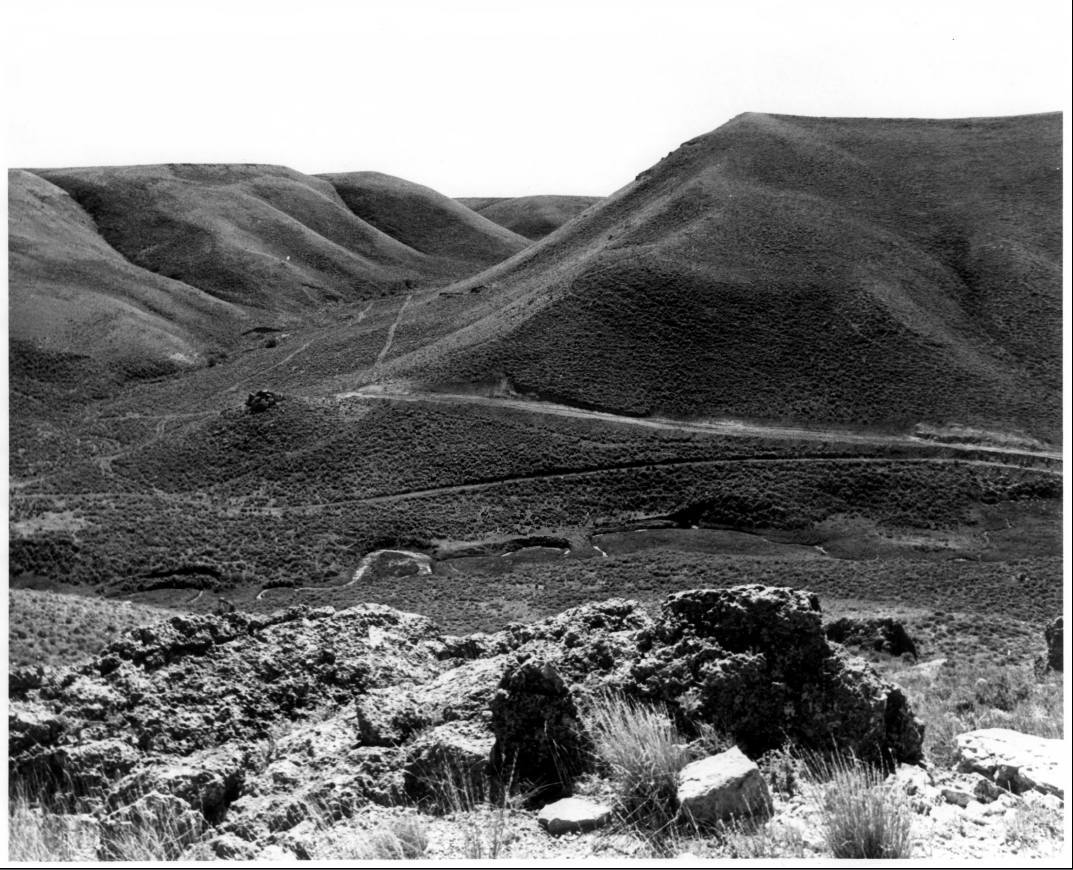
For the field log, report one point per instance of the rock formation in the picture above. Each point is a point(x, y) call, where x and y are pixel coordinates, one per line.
point(251, 721)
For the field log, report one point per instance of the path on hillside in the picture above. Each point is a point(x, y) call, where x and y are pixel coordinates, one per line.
point(450, 489)
point(391, 332)
point(453, 489)
point(715, 427)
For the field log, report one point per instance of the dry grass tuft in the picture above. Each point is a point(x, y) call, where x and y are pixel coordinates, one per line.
point(862, 819)
point(641, 749)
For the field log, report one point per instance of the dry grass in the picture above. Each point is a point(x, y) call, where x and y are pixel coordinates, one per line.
point(640, 748)
point(54, 629)
point(862, 818)
point(967, 697)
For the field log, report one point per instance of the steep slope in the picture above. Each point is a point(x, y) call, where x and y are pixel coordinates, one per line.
point(426, 221)
point(264, 237)
point(850, 271)
point(70, 292)
point(531, 216)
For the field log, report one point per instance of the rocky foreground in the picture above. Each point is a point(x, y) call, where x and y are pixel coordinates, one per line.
point(259, 735)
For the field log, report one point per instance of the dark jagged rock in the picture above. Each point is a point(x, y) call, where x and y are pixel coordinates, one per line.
point(241, 723)
point(263, 400)
point(885, 635)
point(1055, 636)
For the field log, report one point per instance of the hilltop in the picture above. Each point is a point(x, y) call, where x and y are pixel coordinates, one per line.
point(531, 216)
point(151, 269)
point(834, 271)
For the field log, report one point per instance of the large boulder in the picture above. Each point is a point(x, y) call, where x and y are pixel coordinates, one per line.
point(1015, 761)
point(883, 634)
point(721, 787)
point(756, 662)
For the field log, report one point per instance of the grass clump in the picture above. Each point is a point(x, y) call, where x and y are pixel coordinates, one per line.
point(641, 750)
point(402, 839)
point(861, 817)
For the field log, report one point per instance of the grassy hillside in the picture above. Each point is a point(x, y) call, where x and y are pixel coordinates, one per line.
point(830, 270)
point(426, 221)
point(70, 292)
point(265, 237)
point(531, 216)
point(52, 628)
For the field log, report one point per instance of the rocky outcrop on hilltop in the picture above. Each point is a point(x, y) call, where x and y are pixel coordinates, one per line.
point(253, 725)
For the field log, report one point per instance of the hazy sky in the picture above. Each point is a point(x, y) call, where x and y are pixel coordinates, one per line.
point(496, 99)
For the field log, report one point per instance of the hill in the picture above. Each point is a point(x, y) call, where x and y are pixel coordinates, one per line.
point(426, 221)
point(835, 271)
point(268, 237)
point(531, 216)
point(71, 292)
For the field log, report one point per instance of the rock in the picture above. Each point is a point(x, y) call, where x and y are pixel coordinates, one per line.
point(721, 787)
point(1015, 761)
point(755, 661)
point(536, 724)
point(450, 760)
point(263, 400)
point(274, 853)
point(571, 815)
point(23, 678)
point(975, 812)
point(885, 635)
point(1055, 636)
point(987, 791)
point(246, 721)
point(957, 797)
point(911, 779)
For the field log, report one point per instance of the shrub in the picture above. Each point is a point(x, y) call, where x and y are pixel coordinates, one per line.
point(861, 817)
point(641, 749)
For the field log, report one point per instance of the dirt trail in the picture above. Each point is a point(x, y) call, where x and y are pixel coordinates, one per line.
point(274, 365)
point(714, 427)
point(391, 332)
point(627, 466)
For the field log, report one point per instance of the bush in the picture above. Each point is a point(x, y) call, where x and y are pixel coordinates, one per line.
point(641, 749)
point(861, 817)
point(402, 839)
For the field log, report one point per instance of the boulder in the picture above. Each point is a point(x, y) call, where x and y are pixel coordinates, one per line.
point(1015, 761)
point(755, 662)
point(263, 400)
point(450, 761)
point(884, 634)
point(1055, 636)
point(537, 728)
point(721, 787)
point(573, 815)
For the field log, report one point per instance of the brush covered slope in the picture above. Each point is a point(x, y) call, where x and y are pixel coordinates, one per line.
point(834, 271)
point(265, 237)
point(426, 221)
point(72, 293)
point(531, 216)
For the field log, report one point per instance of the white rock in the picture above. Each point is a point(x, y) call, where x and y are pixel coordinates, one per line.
point(976, 812)
point(722, 786)
point(1040, 762)
point(571, 815)
point(277, 853)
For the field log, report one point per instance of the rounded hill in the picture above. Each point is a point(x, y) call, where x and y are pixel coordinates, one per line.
point(426, 221)
point(827, 270)
point(531, 216)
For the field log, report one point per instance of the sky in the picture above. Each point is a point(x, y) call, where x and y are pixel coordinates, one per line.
point(503, 98)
